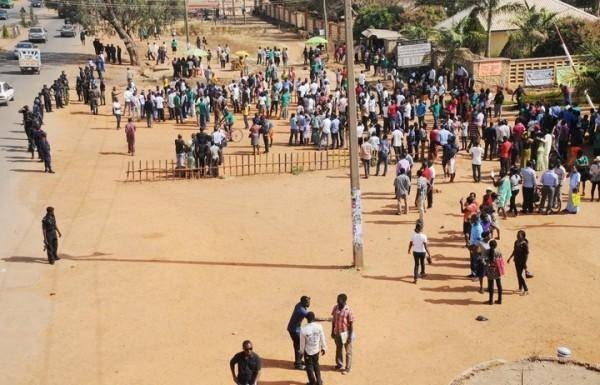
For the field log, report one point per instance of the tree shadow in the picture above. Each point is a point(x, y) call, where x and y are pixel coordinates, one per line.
point(405, 278)
point(455, 302)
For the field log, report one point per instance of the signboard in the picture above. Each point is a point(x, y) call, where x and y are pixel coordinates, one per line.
point(413, 55)
point(490, 69)
point(539, 78)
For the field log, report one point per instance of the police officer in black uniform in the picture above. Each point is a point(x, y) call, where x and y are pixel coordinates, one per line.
point(46, 95)
point(50, 230)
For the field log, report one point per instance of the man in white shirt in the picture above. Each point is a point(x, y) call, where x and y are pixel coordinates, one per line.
point(397, 140)
point(325, 131)
point(476, 153)
point(312, 342)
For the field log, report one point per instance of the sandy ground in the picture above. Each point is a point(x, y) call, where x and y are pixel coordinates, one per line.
point(160, 282)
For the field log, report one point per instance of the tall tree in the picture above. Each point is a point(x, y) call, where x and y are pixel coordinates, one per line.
point(125, 17)
point(455, 39)
point(533, 27)
point(489, 9)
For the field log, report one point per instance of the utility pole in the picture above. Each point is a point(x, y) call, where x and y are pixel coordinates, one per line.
point(233, 10)
point(357, 240)
point(325, 22)
point(187, 28)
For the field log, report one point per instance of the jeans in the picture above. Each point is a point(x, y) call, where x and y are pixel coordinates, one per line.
point(521, 267)
point(476, 172)
point(419, 260)
point(367, 165)
point(339, 359)
point(118, 116)
point(149, 120)
point(296, 343)
point(547, 196)
point(313, 369)
point(382, 159)
point(491, 289)
point(266, 142)
point(528, 199)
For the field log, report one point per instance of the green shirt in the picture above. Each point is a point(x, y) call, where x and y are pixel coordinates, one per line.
point(285, 99)
point(177, 101)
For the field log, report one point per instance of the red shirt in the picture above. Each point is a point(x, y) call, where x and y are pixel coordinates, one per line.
point(427, 174)
point(518, 130)
point(505, 149)
point(393, 110)
point(341, 319)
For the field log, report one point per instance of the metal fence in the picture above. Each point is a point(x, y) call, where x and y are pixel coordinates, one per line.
point(240, 165)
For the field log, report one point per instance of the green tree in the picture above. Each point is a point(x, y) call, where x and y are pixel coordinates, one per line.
point(451, 41)
point(489, 9)
point(377, 16)
point(125, 17)
point(588, 77)
point(534, 26)
point(577, 34)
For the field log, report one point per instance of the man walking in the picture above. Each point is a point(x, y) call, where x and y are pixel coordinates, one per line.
point(248, 366)
point(312, 342)
point(50, 230)
point(342, 325)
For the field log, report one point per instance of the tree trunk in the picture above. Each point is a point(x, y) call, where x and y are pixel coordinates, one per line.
point(123, 34)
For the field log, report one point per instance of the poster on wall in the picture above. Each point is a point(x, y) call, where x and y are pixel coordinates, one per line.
point(413, 54)
point(539, 78)
point(490, 69)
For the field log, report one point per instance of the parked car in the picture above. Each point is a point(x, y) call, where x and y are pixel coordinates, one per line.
point(36, 3)
point(3, 14)
point(37, 34)
point(20, 45)
point(67, 30)
point(7, 3)
point(6, 93)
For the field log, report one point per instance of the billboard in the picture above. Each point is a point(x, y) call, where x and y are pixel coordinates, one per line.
point(539, 78)
point(413, 54)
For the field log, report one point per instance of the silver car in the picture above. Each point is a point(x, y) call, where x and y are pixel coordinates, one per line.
point(37, 34)
point(67, 30)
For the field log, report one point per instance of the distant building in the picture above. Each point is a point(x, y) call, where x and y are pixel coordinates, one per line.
point(502, 25)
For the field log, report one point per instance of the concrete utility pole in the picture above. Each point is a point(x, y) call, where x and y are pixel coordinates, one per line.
point(325, 22)
point(187, 28)
point(357, 240)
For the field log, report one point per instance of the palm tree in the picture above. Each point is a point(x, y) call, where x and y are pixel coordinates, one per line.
point(490, 9)
point(533, 26)
point(588, 75)
point(452, 40)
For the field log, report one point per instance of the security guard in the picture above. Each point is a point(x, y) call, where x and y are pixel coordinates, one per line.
point(50, 230)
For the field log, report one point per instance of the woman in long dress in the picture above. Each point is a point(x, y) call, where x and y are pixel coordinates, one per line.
point(541, 160)
point(130, 136)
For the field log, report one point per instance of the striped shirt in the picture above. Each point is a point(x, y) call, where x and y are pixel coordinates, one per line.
point(341, 319)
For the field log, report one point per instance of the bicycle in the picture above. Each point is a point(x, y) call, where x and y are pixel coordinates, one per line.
point(234, 135)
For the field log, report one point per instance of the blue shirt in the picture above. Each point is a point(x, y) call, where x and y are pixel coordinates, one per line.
point(529, 177)
point(476, 231)
point(298, 315)
point(549, 178)
point(421, 109)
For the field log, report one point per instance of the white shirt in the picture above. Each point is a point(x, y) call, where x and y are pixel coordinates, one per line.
point(218, 137)
point(476, 153)
point(326, 126)
point(127, 95)
point(312, 338)
point(159, 102)
point(397, 138)
point(418, 240)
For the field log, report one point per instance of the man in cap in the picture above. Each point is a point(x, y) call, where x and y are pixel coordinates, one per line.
point(50, 230)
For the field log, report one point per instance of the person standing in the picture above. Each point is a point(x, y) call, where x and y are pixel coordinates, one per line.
point(180, 151)
point(529, 183)
point(130, 136)
point(342, 329)
point(44, 152)
point(421, 198)
point(312, 342)
point(248, 365)
point(149, 111)
point(418, 244)
point(493, 272)
point(116, 107)
point(476, 154)
point(520, 254)
point(365, 150)
point(574, 180)
point(383, 155)
point(50, 231)
point(294, 327)
point(549, 184)
point(594, 177)
point(402, 190)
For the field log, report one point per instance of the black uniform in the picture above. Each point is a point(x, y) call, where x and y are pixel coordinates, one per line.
point(50, 237)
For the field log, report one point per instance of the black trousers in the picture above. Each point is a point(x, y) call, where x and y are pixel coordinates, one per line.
point(266, 142)
point(476, 172)
point(521, 267)
point(430, 195)
point(513, 203)
point(313, 369)
point(419, 260)
point(528, 199)
point(52, 249)
point(491, 289)
point(296, 342)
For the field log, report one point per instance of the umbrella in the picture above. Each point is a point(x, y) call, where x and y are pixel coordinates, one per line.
point(196, 52)
point(317, 40)
point(242, 53)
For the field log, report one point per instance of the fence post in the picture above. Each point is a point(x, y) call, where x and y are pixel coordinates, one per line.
point(320, 160)
point(255, 164)
point(140, 171)
point(236, 165)
point(285, 162)
point(279, 163)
